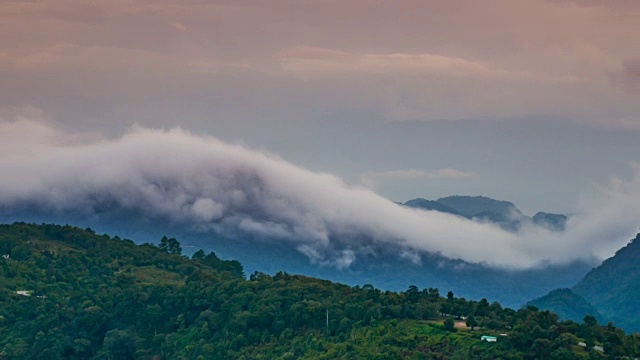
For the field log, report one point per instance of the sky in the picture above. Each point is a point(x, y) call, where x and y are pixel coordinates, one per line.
point(532, 101)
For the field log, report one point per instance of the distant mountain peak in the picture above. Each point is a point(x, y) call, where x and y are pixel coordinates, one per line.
point(486, 209)
point(551, 221)
point(470, 206)
point(425, 204)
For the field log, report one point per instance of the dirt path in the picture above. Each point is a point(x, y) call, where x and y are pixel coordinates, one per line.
point(461, 324)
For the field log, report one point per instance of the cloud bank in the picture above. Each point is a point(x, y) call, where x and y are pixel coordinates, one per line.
point(209, 185)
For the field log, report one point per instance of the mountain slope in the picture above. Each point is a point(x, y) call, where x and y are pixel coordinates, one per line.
point(609, 291)
point(567, 304)
point(614, 286)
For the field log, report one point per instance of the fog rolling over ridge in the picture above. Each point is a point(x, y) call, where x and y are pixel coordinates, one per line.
point(208, 185)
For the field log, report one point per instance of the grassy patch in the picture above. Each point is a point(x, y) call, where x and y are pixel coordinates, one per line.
point(150, 275)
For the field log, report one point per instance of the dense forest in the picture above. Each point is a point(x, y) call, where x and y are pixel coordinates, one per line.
point(68, 293)
point(610, 291)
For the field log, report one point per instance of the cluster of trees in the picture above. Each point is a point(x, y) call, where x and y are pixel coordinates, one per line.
point(97, 297)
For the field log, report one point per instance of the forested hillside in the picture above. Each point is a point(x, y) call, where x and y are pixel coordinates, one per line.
point(567, 304)
point(609, 291)
point(613, 286)
point(70, 293)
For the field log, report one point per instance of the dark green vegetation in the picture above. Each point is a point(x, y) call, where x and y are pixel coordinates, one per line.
point(567, 304)
point(610, 292)
point(89, 296)
point(483, 208)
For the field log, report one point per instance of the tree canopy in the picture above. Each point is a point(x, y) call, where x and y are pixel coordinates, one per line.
point(68, 293)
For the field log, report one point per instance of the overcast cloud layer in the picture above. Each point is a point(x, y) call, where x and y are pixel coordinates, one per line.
point(530, 101)
point(204, 183)
point(408, 60)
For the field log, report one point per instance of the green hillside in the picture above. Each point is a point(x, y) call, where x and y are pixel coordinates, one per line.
point(610, 292)
point(68, 293)
point(568, 305)
point(614, 286)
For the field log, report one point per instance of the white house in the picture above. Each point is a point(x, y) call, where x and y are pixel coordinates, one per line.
point(489, 338)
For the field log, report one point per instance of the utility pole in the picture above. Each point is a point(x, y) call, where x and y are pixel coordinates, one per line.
point(327, 320)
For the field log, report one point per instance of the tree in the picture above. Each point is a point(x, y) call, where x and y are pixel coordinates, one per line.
point(590, 321)
point(566, 340)
point(433, 293)
point(119, 344)
point(471, 322)
point(450, 296)
point(449, 325)
point(198, 255)
point(563, 354)
point(171, 246)
point(541, 348)
point(413, 293)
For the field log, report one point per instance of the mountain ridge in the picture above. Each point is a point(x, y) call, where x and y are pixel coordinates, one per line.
point(485, 209)
point(610, 289)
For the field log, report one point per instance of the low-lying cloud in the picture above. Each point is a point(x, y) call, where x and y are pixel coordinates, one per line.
point(208, 185)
